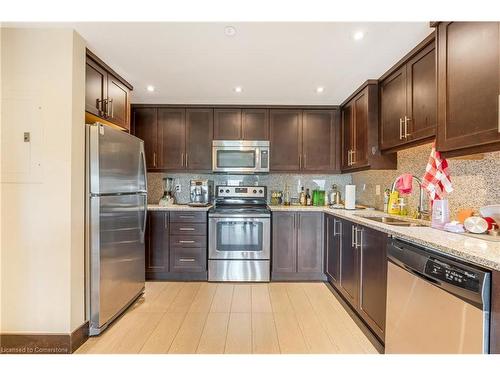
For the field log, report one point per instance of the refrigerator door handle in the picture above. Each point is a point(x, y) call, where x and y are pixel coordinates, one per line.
point(142, 155)
point(145, 211)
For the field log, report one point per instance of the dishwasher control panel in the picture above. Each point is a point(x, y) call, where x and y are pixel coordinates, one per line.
point(451, 274)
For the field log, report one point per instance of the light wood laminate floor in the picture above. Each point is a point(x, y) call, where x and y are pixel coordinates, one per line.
point(211, 318)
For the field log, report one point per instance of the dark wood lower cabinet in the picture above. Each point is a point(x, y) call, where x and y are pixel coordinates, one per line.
point(156, 243)
point(174, 254)
point(356, 266)
point(372, 278)
point(297, 240)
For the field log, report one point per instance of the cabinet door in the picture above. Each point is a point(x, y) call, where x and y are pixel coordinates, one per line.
point(227, 124)
point(349, 273)
point(318, 141)
point(199, 135)
point(286, 140)
point(171, 138)
point(157, 256)
point(284, 242)
point(95, 88)
point(468, 86)
point(392, 109)
point(145, 128)
point(360, 108)
point(422, 94)
point(333, 227)
point(118, 103)
point(310, 242)
point(373, 278)
point(347, 135)
point(255, 124)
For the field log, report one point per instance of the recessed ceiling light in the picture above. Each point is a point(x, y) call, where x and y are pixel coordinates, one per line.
point(150, 88)
point(358, 35)
point(238, 89)
point(320, 89)
point(230, 31)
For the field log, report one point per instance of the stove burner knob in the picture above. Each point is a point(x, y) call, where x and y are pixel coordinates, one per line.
point(227, 191)
point(221, 191)
point(255, 191)
point(260, 191)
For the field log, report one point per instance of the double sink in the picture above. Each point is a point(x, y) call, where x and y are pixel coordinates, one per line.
point(392, 221)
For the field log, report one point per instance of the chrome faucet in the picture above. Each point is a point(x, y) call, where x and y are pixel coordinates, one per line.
point(421, 213)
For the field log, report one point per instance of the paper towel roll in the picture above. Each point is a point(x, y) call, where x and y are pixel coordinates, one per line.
point(350, 197)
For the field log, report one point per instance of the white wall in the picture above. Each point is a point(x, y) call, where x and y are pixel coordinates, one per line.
point(42, 182)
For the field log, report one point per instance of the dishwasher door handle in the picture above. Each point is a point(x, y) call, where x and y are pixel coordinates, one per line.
point(421, 275)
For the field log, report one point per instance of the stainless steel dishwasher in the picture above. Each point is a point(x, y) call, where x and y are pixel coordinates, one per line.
point(435, 305)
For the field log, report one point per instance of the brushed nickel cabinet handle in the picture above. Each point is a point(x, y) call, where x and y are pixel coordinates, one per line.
point(186, 259)
point(353, 236)
point(154, 159)
point(407, 119)
point(348, 158)
point(401, 129)
point(300, 161)
point(187, 154)
point(112, 108)
point(499, 113)
point(186, 241)
point(353, 157)
point(186, 216)
point(305, 160)
point(182, 159)
point(98, 104)
point(186, 229)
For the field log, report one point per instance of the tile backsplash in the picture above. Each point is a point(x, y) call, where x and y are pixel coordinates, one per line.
point(475, 182)
point(273, 181)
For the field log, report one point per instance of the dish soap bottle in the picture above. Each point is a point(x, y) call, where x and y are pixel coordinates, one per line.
point(393, 206)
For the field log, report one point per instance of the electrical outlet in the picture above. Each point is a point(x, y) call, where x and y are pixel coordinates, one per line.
point(377, 189)
point(177, 188)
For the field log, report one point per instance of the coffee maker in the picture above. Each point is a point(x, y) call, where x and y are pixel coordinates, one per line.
point(168, 198)
point(201, 192)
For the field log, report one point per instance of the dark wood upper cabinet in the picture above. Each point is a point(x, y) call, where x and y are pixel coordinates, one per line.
point(249, 124)
point(95, 87)
point(468, 79)
point(227, 124)
point(156, 244)
point(255, 124)
point(286, 140)
point(118, 106)
point(320, 140)
point(107, 95)
point(408, 103)
point(373, 278)
point(144, 126)
point(199, 135)
point(360, 132)
point(171, 138)
point(310, 242)
point(392, 109)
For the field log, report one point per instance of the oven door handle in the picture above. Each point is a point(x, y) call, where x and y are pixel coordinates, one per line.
point(242, 216)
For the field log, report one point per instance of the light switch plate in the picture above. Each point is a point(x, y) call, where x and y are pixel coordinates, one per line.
point(377, 189)
point(177, 188)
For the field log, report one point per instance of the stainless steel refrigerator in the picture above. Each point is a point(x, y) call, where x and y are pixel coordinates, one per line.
point(115, 221)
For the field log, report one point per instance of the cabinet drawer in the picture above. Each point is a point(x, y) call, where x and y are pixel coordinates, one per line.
point(188, 217)
point(188, 229)
point(188, 259)
point(188, 241)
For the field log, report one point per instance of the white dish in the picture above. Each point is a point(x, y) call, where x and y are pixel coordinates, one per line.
point(492, 211)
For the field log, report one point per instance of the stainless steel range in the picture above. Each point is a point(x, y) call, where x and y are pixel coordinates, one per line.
point(239, 227)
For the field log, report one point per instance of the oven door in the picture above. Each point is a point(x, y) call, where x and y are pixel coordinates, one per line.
point(239, 237)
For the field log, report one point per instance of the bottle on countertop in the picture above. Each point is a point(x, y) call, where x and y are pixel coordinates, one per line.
point(387, 193)
point(334, 195)
point(286, 196)
point(302, 197)
point(308, 198)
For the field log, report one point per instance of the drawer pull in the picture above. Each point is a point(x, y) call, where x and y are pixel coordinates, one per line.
point(186, 241)
point(186, 216)
point(186, 229)
point(186, 259)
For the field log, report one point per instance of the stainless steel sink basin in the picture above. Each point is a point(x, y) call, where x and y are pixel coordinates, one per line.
point(393, 221)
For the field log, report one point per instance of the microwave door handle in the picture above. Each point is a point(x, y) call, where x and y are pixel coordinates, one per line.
point(257, 158)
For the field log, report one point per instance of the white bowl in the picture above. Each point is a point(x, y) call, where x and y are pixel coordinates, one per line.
point(492, 211)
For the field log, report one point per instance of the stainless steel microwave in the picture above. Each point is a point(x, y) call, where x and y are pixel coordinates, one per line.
point(240, 156)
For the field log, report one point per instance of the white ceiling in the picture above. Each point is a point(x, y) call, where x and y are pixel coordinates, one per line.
point(274, 63)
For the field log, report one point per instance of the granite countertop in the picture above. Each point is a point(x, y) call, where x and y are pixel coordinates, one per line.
point(177, 207)
point(477, 251)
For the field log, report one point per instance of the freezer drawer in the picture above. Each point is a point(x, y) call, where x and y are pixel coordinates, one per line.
point(116, 255)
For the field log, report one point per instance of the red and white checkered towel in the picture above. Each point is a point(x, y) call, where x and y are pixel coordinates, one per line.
point(436, 179)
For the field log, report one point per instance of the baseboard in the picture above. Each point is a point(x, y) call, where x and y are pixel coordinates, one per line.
point(44, 343)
